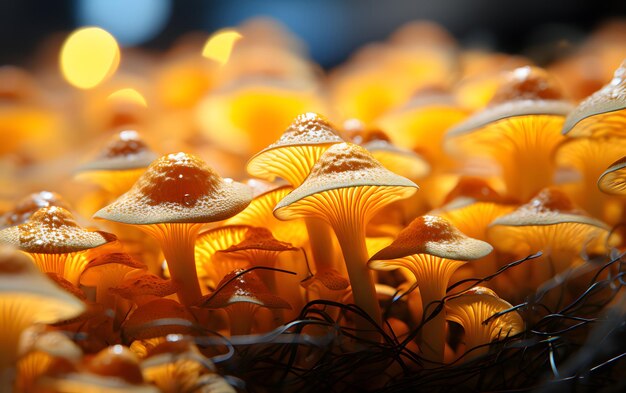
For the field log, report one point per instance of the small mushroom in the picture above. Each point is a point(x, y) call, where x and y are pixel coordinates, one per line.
point(28, 205)
point(519, 131)
point(171, 201)
point(144, 288)
point(475, 310)
point(613, 179)
point(56, 242)
point(27, 297)
point(159, 318)
point(345, 188)
point(241, 294)
point(210, 242)
point(432, 249)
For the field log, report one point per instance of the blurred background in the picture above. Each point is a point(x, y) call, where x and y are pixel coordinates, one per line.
point(331, 29)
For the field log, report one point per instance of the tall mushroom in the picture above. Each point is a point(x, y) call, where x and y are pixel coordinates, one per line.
point(519, 131)
point(56, 242)
point(432, 250)
point(345, 188)
point(27, 297)
point(171, 201)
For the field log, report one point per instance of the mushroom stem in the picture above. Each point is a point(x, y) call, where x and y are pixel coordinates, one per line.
point(241, 316)
point(12, 327)
point(177, 241)
point(322, 244)
point(352, 241)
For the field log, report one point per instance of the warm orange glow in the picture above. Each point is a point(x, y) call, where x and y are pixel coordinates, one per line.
point(88, 57)
point(220, 45)
point(128, 95)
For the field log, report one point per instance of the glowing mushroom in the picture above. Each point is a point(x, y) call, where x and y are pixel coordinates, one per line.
point(28, 205)
point(27, 297)
point(171, 201)
point(211, 241)
point(613, 180)
point(519, 131)
point(143, 288)
point(241, 294)
point(345, 188)
point(550, 223)
point(56, 242)
point(476, 311)
point(159, 318)
point(432, 250)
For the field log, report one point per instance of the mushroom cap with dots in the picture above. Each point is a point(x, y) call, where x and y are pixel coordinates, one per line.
point(126, 150)
point(53, 230)
point(28, 205)
point(528, 91)
point(610, 98)
point(433, 235)
point(258, 238)
point(345, 165)
point(178, 188)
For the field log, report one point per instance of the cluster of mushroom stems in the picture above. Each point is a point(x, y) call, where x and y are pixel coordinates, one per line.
point(415, 208)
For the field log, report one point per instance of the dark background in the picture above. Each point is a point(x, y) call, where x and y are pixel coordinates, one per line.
point(332, 29)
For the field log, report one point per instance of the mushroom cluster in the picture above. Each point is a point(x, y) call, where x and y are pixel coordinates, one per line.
point(427, 215)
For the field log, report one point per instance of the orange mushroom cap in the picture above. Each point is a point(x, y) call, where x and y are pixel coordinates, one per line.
point(146, 286)
point(178, 188)
point(613, 180)
point(28, 205)
point(126, 150)
point(295, 152)
point(159, 318)
point(602, 113)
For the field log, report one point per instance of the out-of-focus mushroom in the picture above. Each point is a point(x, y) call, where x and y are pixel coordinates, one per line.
point(211, 241)
point(241, 294)
point(475, 310)
point(159, 318)
point(144, 288)
point(27, 297)
point(613, 179)
point(28, 205)
point(291, 158)
point(106, 271)
point(602, 114)
point(431, 249)
point(550, 223)
point(171, 201)
point(56, 242)
point(519, 131)
point(345, 188)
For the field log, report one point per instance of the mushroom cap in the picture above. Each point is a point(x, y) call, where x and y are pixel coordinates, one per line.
point(28, 205)
point(258, 238)
point(246, 288)
point(53, 230)
point(66, 285)
point(20, 279)
point(551, 206)
point(528, 91)
point(307, 130)
point(344, 165)
point(473, 189)
point(126, 150)
point(329, 278)
point(609, 99)
point(158, 318)
point(433, 235)
point(147, 284)
point(613, 180)
point(101, 265)
point(178, 188)
point(119, 258)
point(398, 160)
point(116, 361)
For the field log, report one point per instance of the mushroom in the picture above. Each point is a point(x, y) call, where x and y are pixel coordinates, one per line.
point(28, 205)
point(56, 242)
point(159, 318)
point(477, 311)
point(144, 288)
point(291, 158)
point(603, 114)
point(106, 271)
point(27, 297)
point(432, 249)
point(171, 201)
point(241, 294)
point(345, 188)
point(519, 131)
point(613, 179)
point(550, 223)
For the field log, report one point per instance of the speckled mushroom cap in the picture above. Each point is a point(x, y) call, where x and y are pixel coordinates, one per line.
point(343, 165)
point(28, 205)
point(258, 238)
point(20, 279)
point(147, 284)
point(308, 129)
point(602, 113)
point(551, 206)
point(432, 235)
point(527, 91)
point(126, 150)
point(53, 230)
point(178, 188)
point(246, 288)
point(613, 180)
